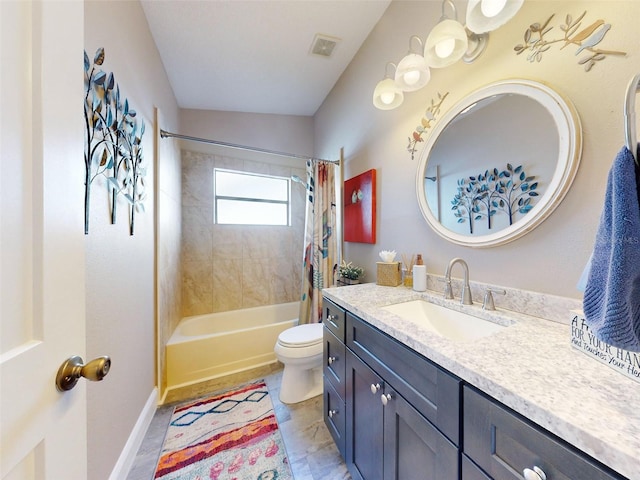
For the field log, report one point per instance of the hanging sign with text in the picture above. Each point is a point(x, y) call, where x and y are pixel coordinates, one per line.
point(623, 361)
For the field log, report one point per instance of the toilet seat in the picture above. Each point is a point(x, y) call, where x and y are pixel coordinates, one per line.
point(301, 336)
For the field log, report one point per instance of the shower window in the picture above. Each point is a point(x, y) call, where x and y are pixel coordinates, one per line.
point(242, 198)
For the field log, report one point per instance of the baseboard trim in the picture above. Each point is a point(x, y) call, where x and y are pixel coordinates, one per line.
point(130, 450)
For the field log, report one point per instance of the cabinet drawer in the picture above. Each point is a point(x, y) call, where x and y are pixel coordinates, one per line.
point(334, 367)
point(504, 443)
point(335, 416)
point(333, 318)
point(432, 391)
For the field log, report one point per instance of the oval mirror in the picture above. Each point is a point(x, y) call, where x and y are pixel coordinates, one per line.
point(498, 163)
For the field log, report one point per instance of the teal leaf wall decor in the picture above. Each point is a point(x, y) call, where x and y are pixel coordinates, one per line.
point(483, 196)
point(113, 142)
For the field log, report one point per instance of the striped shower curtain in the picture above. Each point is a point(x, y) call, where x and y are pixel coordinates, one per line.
point(320, 257)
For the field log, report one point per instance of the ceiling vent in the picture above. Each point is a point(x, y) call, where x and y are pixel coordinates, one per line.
point(323, 45)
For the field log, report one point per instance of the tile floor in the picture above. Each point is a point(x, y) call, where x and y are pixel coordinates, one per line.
point(310, 448)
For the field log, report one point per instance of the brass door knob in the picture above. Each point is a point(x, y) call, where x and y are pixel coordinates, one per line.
point(73, 368)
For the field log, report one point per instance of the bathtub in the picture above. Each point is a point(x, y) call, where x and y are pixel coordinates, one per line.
point(205, 347)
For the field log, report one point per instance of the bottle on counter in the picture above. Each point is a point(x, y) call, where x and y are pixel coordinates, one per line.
point(419, 275)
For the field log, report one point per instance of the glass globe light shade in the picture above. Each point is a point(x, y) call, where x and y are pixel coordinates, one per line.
point(491, 8)
point(412, 73)
point(411, 77)
point(446, 44)
point(445, 47)
point(387, 95)
point(487, 15)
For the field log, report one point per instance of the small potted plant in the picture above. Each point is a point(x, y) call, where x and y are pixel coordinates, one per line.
point(350, 274)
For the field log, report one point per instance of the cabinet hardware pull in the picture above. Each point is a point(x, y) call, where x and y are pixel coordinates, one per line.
point(536, 474)
point(375, 388)
point(330, 360)
point(385, 398)
point(332, 413)
point(332, 318)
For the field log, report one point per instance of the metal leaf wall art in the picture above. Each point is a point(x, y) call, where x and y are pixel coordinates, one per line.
point(425, 124)
point(113, 142)
point(583, 38)
point(487, 194)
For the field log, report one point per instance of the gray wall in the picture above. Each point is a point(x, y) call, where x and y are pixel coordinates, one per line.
point(120, 273)
point(551, 258)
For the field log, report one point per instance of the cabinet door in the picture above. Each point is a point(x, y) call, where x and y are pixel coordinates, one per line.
point(470, 471)
point(413, 448)
point(432, 391)
point(364, 420)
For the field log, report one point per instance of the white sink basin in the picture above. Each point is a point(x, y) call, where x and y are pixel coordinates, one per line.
point(448, 323)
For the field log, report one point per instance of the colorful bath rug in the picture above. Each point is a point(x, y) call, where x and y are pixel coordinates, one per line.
point(230, 436)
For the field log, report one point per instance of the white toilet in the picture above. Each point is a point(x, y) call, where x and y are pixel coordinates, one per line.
point(300, 350)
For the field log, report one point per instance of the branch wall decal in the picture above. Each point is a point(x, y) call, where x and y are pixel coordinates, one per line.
point(537, 42)
point(425, 124)
point(113, 142)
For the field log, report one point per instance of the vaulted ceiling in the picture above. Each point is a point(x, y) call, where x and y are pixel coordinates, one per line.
point(256, 56)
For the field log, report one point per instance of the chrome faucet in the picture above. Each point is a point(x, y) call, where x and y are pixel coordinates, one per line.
point(465, 295)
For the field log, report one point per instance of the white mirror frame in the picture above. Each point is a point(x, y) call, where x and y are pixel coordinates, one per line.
point(569, 151)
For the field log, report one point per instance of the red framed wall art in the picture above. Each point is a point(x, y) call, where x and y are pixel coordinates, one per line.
point(360, 208)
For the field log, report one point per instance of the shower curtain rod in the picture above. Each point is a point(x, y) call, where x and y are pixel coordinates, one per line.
point(165, 134)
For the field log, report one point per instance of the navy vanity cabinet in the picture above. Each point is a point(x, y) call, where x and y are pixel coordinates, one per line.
point(435, 393)
point(470, 471)
point(334, 370)
point(334, 361)
point(333, 317)
point(334, 416)
point(395, 430)
point(391, 440)
point(365, 421)
point(502, 444)
point(413, 448)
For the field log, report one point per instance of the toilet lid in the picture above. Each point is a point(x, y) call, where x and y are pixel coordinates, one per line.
point(301, 335)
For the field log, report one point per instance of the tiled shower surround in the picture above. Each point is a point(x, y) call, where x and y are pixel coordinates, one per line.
point(229, 267)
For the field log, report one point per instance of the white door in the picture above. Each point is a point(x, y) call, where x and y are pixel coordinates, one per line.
point(42, 293)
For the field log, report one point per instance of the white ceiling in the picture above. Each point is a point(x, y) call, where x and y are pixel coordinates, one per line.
point(254, 56)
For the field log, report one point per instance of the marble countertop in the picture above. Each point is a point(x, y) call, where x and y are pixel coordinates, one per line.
point(529, 366)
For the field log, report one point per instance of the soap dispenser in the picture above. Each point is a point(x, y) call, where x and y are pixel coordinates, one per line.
point(419, 275)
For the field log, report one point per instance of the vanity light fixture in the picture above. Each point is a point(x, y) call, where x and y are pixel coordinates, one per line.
point(412, 72)
point(487, 15)
point(447, 43)
point(387, 95)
